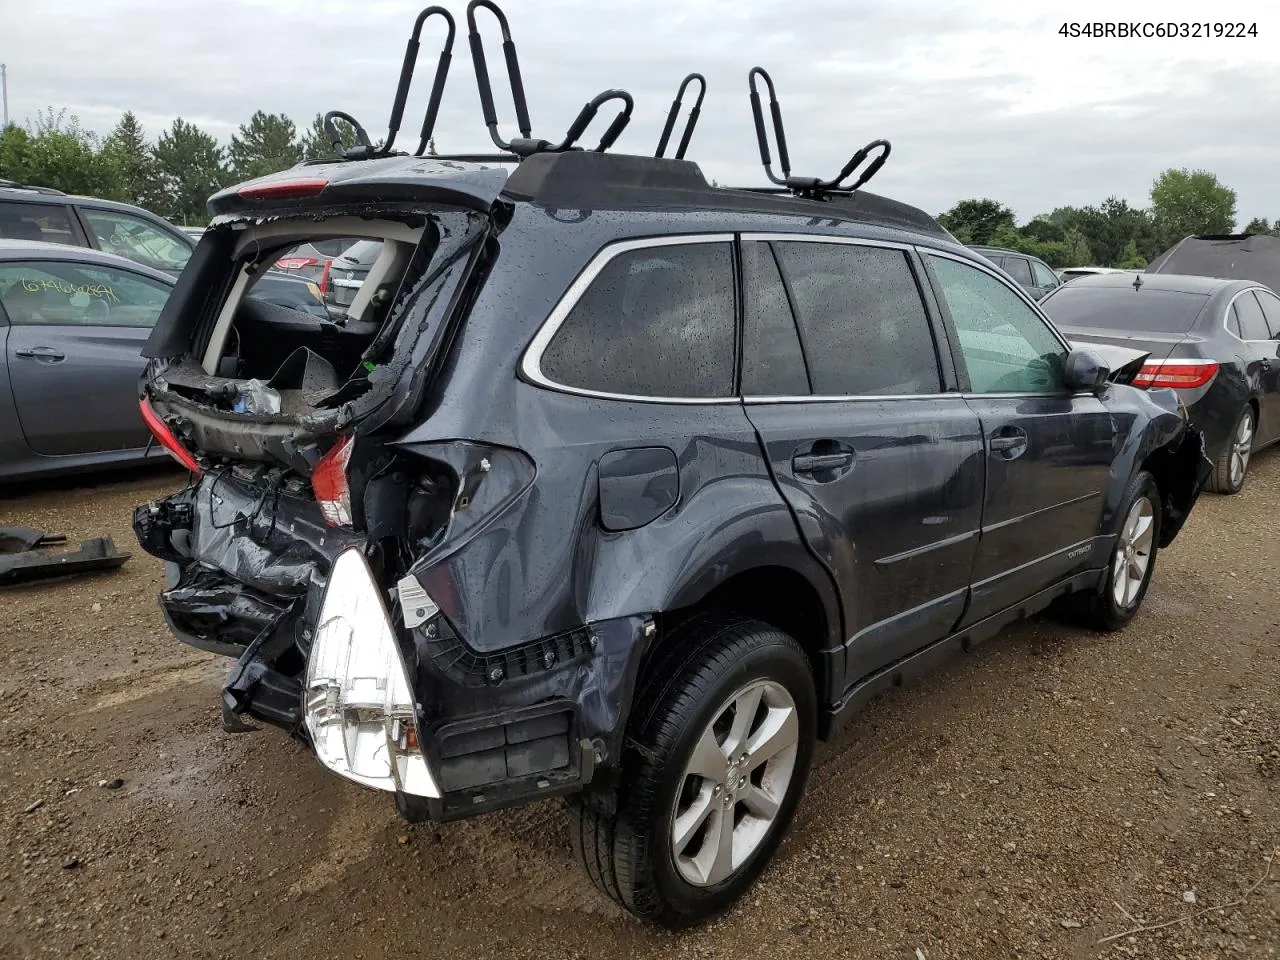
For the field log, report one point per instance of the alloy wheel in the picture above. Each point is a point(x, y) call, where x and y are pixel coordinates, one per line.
point(1133, 553)
point(735, 782)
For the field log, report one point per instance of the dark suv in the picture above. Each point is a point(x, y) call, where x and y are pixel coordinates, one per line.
point(42, 213)
point(1031, 273)
point(616, 485)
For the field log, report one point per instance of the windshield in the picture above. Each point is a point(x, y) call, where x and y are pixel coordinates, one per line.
point(1123, 308)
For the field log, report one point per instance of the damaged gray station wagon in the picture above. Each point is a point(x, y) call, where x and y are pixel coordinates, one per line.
point(614, 485)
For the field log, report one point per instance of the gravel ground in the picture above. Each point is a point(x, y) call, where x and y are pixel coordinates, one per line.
point(1049, 790)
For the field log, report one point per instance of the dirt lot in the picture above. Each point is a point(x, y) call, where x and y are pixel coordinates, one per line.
point(1051, 789)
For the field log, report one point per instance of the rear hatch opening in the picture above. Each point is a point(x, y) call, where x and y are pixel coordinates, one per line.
point(268, 350)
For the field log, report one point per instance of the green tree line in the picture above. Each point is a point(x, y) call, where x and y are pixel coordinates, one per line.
point(1111, 234)
point(173, 175)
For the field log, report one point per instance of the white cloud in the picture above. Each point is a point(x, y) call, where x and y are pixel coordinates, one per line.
point(978, 99)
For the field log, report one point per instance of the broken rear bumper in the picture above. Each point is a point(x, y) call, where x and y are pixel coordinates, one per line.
point(249, 571)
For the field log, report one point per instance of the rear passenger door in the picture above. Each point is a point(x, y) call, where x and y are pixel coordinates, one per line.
point(74, 352)
point(1020, 269)
point(1048, 450)
point(881, 464)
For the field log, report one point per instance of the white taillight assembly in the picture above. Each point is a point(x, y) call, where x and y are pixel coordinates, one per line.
point(360, 710)
point(329, 483)
point(1179, 374)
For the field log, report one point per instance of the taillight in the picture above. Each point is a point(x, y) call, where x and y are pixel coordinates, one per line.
point(284, 189)
point(160, 430)
point(324, 279)
point(329, 483)
point(295, 263)
point(1179, 374)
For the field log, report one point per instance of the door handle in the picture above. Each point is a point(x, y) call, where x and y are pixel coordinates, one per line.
point(814, 462)
point(40, 353)
point(1011, 442)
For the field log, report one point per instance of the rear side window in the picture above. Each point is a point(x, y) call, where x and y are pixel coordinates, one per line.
point(862, 320)
point(655, 322)
point(1253, 325)
point(772, 361)
point(37, 221)
point(52, 293)
point(1018, 268)
point(1271, 308)
point(135, 238)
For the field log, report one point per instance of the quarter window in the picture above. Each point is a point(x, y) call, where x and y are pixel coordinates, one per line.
point(655, 322)
point(1253, 325)
point(55, 293)
point(1006, 347)
point(862, 320)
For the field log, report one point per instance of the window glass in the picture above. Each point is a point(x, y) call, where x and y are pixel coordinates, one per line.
point(1253, 325)
point(1006, 347)
point(1019, 269)
point(1271, 309)
point(1089, 305)
point(772, 362)
point(655, 322)
point(863, 324)
point(133, 237)
point(36, 221)
point(1045, 278)
point(1233, 322)
point(56, 293)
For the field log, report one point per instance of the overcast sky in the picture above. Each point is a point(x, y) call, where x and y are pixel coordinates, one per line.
point(979, 99)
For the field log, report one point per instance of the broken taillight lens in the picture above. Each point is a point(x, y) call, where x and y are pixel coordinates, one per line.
point(329, 483)
point(324, 279)
point(1179, 374)
point(160, 430)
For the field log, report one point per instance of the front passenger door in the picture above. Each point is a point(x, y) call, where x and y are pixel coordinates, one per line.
point(1048, 451)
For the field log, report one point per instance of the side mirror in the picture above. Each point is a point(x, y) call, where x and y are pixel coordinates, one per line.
point(1086, 370)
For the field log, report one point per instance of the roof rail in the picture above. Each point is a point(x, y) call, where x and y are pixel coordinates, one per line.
point(17, 185)
point(525, 145)
point(675, 110)
point(812, 187)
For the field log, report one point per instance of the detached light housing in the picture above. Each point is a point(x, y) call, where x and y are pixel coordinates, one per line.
point(359, 702)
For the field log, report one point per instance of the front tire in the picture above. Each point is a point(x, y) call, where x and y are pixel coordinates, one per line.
point(1132, 562)
point(1233, 463)
point(719, 748)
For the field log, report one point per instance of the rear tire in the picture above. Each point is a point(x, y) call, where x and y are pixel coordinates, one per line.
point(1232, 465)
point(726, 685)
point(1132, 562)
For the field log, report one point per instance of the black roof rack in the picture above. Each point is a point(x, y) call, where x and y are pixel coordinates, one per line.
point(525, 145)
point(364, 149)
point(16, 185)
point(675, 110)
point(811, 187)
